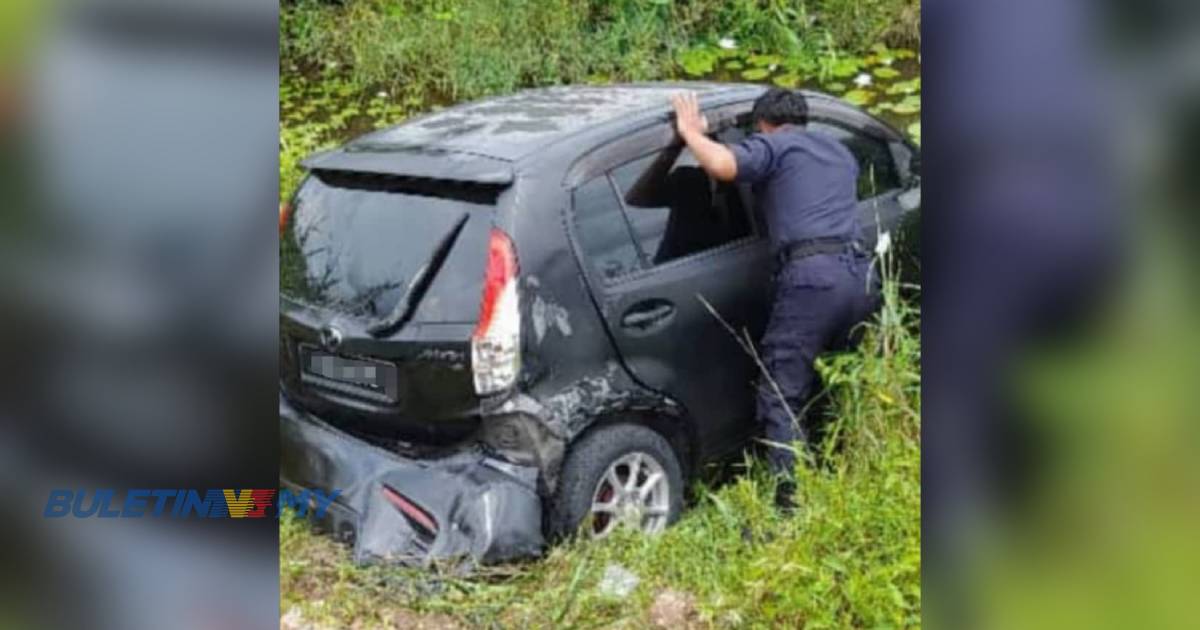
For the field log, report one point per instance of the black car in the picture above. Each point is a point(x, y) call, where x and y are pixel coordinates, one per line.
point(519, 279)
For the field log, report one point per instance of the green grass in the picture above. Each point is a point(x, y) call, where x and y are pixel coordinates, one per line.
point(352, 66)
point(849, 557)
point(462, 50)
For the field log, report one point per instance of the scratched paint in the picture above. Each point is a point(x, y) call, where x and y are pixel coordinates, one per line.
point(548, 315)
point(511, 126)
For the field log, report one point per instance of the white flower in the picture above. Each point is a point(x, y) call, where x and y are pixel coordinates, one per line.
point(727, 43)
point(883, 244)
point(772, 67)
point(862, 80)
point(382, 95)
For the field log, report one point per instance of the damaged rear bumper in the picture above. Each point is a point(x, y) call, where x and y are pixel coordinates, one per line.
point(464, 506)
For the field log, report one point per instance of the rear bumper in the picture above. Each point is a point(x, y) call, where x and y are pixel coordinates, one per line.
point(483, 509)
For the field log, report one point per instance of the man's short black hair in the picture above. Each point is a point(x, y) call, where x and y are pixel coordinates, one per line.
point(778, 106)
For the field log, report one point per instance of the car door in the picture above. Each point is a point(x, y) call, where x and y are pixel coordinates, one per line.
point(657, 270)
point(888, 187)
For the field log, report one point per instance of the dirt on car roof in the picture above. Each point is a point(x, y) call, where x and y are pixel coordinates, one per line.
point(509, 127)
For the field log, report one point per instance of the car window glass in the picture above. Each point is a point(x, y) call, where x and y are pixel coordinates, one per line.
point(338, 248)
point(876, 169)
point(675, 209)
point(602, 232)
point(649, 220)
point(734, 133)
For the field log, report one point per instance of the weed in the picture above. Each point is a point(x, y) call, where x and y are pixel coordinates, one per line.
point(850, 557)
point(471, 48)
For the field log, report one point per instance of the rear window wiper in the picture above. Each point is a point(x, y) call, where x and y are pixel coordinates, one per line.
point(407, 304)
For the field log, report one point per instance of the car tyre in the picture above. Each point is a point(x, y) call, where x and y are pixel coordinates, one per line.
point(615, 474)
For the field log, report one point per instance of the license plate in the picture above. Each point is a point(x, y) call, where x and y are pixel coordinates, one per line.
point(363, 376)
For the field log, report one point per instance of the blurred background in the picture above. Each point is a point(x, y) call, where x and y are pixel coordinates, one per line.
point(1061, 485)
point(137, 305)
point(1059, 463)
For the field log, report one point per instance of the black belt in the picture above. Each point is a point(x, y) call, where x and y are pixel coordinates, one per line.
point(814, 246)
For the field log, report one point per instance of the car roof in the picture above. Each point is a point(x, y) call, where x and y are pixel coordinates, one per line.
point(514, 126)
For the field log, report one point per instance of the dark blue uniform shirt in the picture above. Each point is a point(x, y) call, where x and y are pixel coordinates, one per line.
point(804, 182)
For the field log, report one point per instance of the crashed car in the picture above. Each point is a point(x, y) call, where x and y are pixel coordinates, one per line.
point(487, 339)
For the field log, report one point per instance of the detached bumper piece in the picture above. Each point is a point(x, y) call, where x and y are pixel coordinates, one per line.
point(466, 506)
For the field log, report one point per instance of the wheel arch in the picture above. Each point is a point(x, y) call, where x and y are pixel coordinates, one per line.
point(670, 421)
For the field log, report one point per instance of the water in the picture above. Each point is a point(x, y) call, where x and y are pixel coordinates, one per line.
point(885, 82)
point(319, 109)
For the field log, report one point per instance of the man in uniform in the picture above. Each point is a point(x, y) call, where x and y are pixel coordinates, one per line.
point(805, 183)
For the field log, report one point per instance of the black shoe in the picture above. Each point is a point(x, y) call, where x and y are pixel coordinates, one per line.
point(785, 497)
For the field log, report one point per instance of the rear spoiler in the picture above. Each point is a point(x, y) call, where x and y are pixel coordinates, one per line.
point(414, 161)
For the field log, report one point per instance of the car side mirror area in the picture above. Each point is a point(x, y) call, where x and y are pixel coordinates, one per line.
point(907, 158)
point(910, 199)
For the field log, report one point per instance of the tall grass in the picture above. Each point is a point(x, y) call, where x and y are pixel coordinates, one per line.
point(356, 64)
point(470, 48)
point(849, 556)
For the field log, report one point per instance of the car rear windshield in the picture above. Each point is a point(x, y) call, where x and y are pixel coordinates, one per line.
point(355, 243)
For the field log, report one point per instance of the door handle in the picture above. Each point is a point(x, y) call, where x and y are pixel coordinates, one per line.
point(644, 315)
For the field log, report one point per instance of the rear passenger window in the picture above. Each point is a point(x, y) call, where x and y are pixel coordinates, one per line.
point(603, 234)
point(649, 220)
point(876, 168)
point(674, 209)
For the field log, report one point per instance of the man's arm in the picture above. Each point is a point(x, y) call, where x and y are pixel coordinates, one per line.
point(715, 158)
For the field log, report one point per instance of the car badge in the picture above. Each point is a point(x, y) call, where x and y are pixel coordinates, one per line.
point(331, 338)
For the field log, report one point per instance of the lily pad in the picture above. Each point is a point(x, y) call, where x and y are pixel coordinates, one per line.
point(905, 87)
point(734, 65)
point(697, 61)
point(910, 105)
point(886, 73)
point(836, 86)
point(762, 61)
point(904, 54)
point(914, 130)
point(859, 97)
point(844, 68)
point(755, 74)
point(800, 65)
point(788, 80)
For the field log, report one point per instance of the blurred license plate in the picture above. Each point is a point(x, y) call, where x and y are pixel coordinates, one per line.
point(374, 376)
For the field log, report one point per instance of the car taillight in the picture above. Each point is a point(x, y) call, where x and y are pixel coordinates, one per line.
point(411, 511)
point(496, 343)
point(285, 213)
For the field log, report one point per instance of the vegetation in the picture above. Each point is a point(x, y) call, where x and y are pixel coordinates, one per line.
point(469, 48)
point(348, 67)
point(850, 556)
